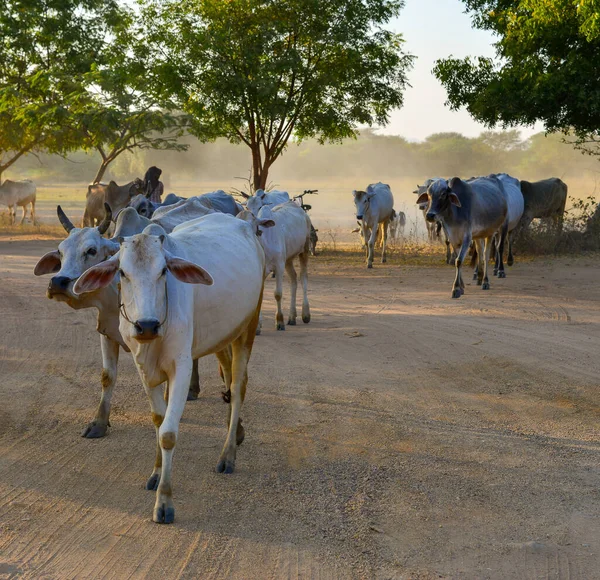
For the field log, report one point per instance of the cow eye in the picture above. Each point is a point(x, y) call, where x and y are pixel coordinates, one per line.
point(92, 252)
point(122, 274)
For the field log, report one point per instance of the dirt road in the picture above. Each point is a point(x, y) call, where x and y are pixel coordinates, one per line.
point(399, 435)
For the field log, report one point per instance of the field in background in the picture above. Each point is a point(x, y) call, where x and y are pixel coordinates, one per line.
point(332, 208)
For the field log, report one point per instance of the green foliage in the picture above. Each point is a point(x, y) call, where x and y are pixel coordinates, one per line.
point(547, 67)
point(258, 72)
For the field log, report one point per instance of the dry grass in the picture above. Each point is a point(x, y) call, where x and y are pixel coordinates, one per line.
point(39, 230)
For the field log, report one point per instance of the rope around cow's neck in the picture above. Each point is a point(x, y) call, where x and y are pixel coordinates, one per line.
point(124, 312)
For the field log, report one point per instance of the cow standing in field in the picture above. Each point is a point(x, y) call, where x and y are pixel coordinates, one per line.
point(546, 200)
point(284, 233)
point(374, 210)
point(116, 196)
point(182, 300)
point(468, 211)
point(18, 193)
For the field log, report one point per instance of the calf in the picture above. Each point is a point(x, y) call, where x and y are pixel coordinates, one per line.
point(18, 193)
point(374, 210)
point(284, 233)
point(468, 211)
point(181, 300)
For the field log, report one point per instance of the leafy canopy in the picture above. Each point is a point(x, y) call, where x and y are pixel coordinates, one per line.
point(547, 66)
point(258, 71)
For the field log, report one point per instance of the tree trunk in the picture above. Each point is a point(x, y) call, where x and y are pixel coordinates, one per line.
point(102, 170)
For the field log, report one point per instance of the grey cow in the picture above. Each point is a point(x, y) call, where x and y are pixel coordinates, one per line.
point(468, 211)
point(545, 199)
point(18, 193)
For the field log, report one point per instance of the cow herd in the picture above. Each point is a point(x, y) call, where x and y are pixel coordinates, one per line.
point(182, 279)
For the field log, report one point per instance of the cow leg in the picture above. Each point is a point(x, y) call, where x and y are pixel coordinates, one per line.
point(110, 358)
point(371, 245)
point(194, 390)
point(164, 511)
point(448, 251)
point(495, 251)
point(33, 220)
point(24, 208)
point(11, 215)
point(510, 260)
point(303, 259)
point(458, 288)
point(278, 296)
point(241, 349)
point(158, 406)
point(486, 259)
point(500, 250)
point(384, 227)
point(479, 247)
point(289, 268)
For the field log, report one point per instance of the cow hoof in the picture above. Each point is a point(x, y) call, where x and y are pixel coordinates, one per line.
point(495, 272)
point(281, 326)
point(383, 260)
point(192, 396)
point(369, 265)
point(152, 483)
point(456, 293)
point(475, 276)
point(94, 431)
point(510, 262)
point(292, 322)
point(240, 434)
point(306, 319)
point(485, 286)
point(502, 274)
point(258, 331)
point(478, 282)
point(164, 514)
point(225, 466)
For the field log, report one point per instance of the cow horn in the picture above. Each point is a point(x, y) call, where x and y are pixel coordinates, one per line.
point(107, 219)
point(63, 219)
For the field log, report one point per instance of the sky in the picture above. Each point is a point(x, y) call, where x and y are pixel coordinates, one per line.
point(436, 29)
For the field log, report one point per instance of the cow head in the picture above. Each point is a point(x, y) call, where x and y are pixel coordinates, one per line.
point(362, 199)
point(129, 223)
point(144, 265)
point(142, 205)
point(439, 197)
point(258, 224)
point(83, 248)
point(255, 202)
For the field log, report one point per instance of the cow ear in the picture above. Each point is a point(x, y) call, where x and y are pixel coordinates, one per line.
point(48, 264)
point(423, 198)
point(266, 223)
point(96, 277)
point(354, 192)
point(417, 190)
point(454, 199)
point(188, 272)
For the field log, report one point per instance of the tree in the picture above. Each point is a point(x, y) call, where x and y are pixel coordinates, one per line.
point(547, 67)
point(46, 47)
point(262, 72)
point(68, 81)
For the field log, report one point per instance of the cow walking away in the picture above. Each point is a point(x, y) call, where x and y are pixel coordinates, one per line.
point(116, 196)
point(546, 200)
point(374, 210)
point(18, 193)
point(473, 210)
point(284, 234)
point(180, 302)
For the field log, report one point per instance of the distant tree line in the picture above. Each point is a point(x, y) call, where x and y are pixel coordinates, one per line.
point(368, 158)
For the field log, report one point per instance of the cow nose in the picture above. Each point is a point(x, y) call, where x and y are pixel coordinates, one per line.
point(430, 216)
point(59, 283)
point(359, 217)
point(146, 329)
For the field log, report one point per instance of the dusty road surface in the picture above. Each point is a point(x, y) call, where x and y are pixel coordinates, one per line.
point(399, 435)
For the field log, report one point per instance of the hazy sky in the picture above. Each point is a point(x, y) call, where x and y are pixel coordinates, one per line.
point(436, 29)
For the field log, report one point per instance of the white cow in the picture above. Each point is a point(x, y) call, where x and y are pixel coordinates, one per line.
point(83, 248)
point(284, 233)
point(186, 295)
point(260, 198)
point(374, 210)
point(22, 193)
